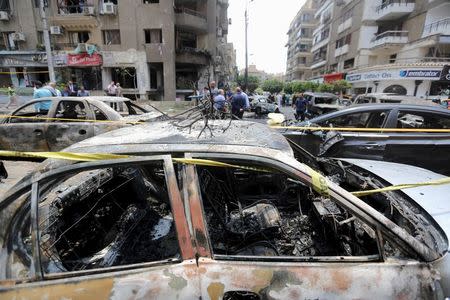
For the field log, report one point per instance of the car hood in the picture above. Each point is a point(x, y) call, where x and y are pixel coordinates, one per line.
point(150, 116)
point(433, 199)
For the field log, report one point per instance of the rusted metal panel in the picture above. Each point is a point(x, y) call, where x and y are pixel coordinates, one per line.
point(387, 280)
point(178, 281)
point(184, 237)
point(200, 233)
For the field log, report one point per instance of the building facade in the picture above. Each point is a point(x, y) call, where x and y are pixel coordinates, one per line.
point(155, 49)
point(299, 55)
point(383, 45)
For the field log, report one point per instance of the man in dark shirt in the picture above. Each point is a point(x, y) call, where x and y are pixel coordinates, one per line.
point(301, 105)
point(238, 103)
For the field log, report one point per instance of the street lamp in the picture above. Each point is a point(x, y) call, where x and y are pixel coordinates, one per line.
point(246, 46)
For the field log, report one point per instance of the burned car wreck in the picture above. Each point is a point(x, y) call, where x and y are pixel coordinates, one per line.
point(234, 212)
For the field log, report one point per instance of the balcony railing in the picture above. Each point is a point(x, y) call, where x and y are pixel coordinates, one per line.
point(441, 26)
point(188, 11)
point(63, 46)
point(390, 34)
point(389, 3)
point(83, 9)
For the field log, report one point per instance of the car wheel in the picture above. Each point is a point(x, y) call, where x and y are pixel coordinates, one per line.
point(258, 111)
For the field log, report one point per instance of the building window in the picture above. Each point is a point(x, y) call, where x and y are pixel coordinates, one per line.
point(76, 37)
point(320, 54)
point(4, 5)
point(37, 3)
point(153, 36)
point(6, 43)
point(110, 1)
point(347, 15)
point(344, 41)
point(111, 37)
point(306, 17)
point(151, 1)
point(349, 63)
point(72, 6)
point(392, 58)
point(40, 37)
point(396, 89)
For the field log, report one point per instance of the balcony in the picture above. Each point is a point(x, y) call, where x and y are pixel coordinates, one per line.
point(438, 27)
point(341, 50)
point(345, 25)
point(63, 46)
point(194, 56)
point(389, 39)
point(394, 9)
point(75, 16)
point(190, 19)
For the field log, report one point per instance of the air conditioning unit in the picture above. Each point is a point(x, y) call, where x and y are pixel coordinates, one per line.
point(18, 36)
point(4, 16)
point(109, 9)
point(89, 10)
point(82, 47)
point(56, 30)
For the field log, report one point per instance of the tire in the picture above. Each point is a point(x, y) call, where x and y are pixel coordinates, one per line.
point(258, 111)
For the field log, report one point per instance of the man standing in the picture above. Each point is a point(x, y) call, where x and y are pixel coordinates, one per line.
point(301, 105)
point(219, 101)
point(214, 90)
point(82, 92)
point(72, 88)
point(12, 96)
point(42, 92)
point(238, 104)
point(111, 90)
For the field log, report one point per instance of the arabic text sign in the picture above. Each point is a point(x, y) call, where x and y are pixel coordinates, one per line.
point(84, 59)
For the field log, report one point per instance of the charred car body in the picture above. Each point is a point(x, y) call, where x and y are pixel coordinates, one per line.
point(424, 149)
point(52, 124)
point(261, 105)
point(322, 103)
point(157, 224)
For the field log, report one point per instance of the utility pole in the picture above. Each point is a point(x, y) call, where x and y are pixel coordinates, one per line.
point(48, 49)
point(246, 51)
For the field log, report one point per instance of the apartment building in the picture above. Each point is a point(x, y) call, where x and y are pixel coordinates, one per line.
point(156, 49)
point(299, 56)
point(399, 46)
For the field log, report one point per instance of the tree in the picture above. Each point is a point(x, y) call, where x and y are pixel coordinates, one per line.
point(259, 91)
point(288, 87)
point(273, 86)
point(326, 87)
point(341, 86)
point(253, 82)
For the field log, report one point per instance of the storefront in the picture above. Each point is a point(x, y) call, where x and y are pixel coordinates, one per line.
point(327, 78)
point(22, 68)
point(413, 81)
point(83, 69)
point(442, 86)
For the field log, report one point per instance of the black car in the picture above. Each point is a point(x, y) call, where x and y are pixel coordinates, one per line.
point(423, 149)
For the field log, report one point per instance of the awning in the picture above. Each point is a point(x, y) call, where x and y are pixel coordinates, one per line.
point(327, 78)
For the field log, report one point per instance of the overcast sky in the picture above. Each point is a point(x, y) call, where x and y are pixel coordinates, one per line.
point(268, 24)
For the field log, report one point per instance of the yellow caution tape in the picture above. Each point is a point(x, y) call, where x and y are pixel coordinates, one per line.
point(362, 129)
point(71, 120)
point(63, 155)
point(397, 187)
point(318, 180)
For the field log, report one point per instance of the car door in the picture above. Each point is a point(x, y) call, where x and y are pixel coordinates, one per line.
point(428, 150)
point(72, 122)
point(102, 230)
point(25, 130)
point(357, 144)
point(260, 263)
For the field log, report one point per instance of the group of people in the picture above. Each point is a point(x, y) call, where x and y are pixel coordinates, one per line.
point(239, 100)
point(114, 89)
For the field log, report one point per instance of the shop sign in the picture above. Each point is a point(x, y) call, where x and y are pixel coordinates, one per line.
point(445, 74)
point(25, 60)
point(60, 60)
point(402, 74)
point(84, 59)
point(333, 77)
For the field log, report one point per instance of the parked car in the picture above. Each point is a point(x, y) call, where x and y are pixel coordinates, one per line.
point(262, 226)
point(261, 105)
point(322, 103)
point(390, 98)
point(424, 149)
point(125, 107)
point(31, 129)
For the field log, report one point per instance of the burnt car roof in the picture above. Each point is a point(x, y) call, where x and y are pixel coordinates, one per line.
point(178, 135)
point(378, 106)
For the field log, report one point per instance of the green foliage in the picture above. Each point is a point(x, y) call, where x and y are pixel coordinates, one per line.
point(326, 87)
point(253, 82)
point(259, 91)
point(288, 87)
point(273, 86)
point(341, 86)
